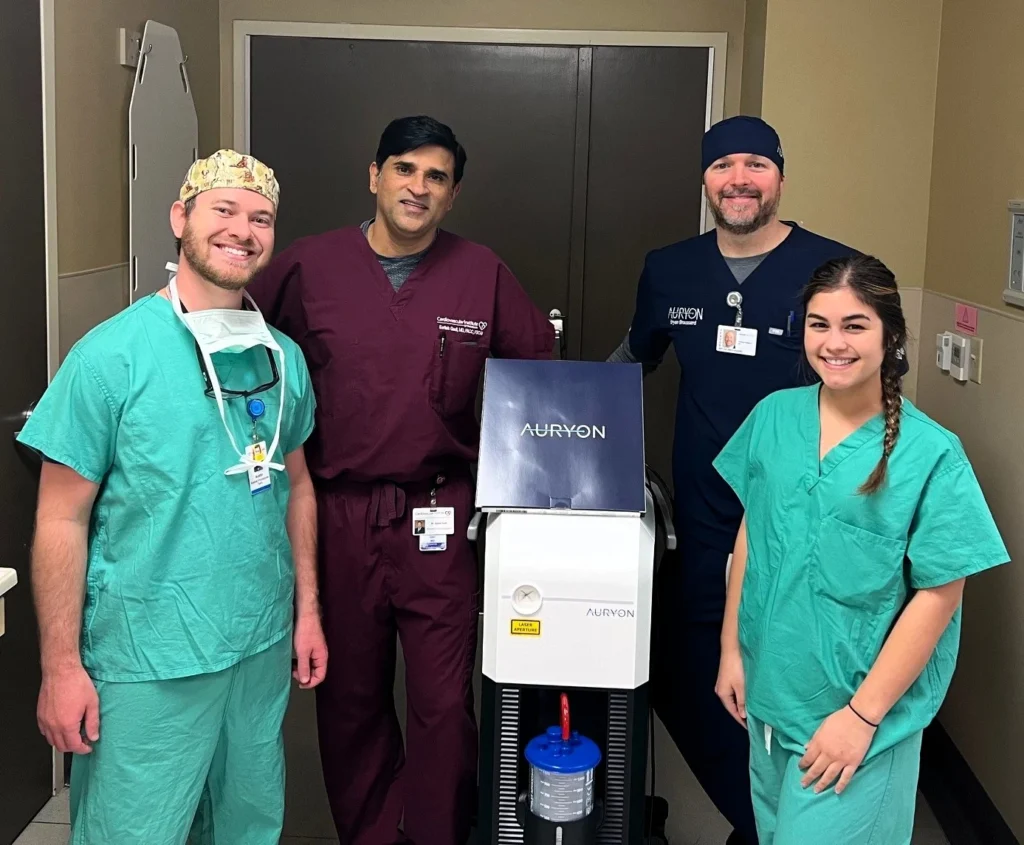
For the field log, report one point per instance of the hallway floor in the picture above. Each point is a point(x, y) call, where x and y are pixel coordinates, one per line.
point(700, 826)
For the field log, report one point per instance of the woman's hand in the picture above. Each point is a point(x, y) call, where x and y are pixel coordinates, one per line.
point(837, 748)
point(731, 687)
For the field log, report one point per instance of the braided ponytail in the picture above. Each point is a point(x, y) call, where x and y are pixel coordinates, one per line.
point(892, 406)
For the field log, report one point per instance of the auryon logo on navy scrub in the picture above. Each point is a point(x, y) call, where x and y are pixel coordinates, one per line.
point(562, 435)
point(685, 316)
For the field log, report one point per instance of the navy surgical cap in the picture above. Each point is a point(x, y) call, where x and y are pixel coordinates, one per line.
point(741, 134)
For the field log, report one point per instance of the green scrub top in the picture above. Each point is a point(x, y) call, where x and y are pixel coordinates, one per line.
point(188, 572)
point(829, 570)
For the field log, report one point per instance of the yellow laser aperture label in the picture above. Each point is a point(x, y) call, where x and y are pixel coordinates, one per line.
point(526, 627)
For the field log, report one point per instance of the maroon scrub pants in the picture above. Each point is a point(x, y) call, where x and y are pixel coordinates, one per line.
point(374, 583)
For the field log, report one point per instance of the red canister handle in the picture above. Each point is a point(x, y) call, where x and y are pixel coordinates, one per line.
point(565, 717)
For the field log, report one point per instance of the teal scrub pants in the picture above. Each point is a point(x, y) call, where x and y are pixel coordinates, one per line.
point(877, 808)
point(165, 744)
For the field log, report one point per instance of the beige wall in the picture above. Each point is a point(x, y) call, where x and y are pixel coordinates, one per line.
point(913, 153)
point(751, 86)
point(93, 92)
point(979, 127)
point(659, 15)
point(977, 168)
point(851, 89)
point(982, 711)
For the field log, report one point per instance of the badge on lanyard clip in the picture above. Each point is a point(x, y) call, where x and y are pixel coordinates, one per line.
point(259, 476)
point(433, 525)
point(734, 339)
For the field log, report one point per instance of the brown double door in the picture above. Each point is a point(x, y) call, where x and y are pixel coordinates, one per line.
point(580, 160)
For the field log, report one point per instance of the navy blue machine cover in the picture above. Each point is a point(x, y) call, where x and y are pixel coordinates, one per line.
point(562, 434)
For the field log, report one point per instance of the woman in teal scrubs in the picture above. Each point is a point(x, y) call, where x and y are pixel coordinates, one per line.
point(862, 519)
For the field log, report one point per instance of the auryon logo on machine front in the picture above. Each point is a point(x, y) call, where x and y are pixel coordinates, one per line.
point(612, 612)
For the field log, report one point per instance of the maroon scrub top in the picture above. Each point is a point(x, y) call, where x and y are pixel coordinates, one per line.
point(396, 374)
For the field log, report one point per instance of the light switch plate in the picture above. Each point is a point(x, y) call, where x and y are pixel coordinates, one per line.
point(975, 360)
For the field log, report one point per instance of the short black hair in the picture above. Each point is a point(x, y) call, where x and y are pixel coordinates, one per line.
point(190, 205)
point(406, 134)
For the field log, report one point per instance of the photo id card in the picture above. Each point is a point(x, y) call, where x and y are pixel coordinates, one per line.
point(735, 340)
point(433, 521)
point(259, 476)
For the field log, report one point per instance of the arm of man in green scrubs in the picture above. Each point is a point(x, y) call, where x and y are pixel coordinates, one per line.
point(67, 696)
point(310, 645)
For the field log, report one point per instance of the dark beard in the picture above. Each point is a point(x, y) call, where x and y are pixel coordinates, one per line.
point(203, 268)
point(765, 213)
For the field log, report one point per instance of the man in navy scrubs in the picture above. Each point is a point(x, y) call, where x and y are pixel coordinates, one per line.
point(729, 302)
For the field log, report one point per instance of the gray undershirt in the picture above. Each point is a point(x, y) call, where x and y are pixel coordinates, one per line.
point(399, 268)
point(741, 269)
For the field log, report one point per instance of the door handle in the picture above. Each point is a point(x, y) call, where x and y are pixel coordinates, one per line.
point(558, 321)
point(28, 456)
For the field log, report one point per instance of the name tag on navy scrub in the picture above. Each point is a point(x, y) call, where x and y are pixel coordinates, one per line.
point(259, 476)
point(735, 340)
point(433, 526)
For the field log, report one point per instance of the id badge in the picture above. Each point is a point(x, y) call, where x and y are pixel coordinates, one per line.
point(433, 542)
point(259, 476)
point(433, 522)
point(734, 340)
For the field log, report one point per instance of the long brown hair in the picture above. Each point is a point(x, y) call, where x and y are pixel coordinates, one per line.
point(875, 285)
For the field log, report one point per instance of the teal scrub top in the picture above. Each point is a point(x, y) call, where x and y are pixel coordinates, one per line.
point(829, 570)
point(188, 572)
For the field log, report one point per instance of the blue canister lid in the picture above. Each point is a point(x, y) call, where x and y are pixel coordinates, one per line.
point(256, 408)
point(572, 756)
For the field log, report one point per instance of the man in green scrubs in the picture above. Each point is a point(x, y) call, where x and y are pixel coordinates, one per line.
point(828, 572)
point(174, 559)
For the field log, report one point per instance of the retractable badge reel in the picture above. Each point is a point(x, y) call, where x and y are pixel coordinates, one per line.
point(734, 339)
point(259, 476)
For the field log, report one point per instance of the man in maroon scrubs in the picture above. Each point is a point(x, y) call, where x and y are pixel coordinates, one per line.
point(395, 319)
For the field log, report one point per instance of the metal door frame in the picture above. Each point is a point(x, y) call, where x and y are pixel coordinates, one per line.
point(49, 81)
point(48, 40)
point(715, 42)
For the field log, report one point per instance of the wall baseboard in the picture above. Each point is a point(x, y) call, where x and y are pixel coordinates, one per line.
point(956, 797)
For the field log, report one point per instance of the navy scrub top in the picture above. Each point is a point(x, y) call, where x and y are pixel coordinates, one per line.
point(681, 300)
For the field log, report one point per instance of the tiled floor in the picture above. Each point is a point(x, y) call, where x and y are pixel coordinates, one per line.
point(700, 826)
point(693, 819)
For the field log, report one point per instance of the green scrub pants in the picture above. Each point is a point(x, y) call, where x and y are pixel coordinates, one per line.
point(877, 808)
point(165, 744)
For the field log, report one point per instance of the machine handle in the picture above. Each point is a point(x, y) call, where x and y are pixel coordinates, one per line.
point(666, 514)
point(473, 532)
point(558, 321)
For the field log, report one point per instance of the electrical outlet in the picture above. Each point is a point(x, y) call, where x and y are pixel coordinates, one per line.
point(975, 362)
point(129, 46)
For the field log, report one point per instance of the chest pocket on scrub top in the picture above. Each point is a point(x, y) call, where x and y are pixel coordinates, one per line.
point(455, 374)
point(857, 568)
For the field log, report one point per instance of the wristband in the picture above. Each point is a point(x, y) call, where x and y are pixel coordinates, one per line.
point(865, 721)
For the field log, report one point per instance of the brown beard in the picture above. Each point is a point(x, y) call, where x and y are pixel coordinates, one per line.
point(765, 213)
point(190, 250)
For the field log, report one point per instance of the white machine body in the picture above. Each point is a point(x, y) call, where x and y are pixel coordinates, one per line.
point(567, 598)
